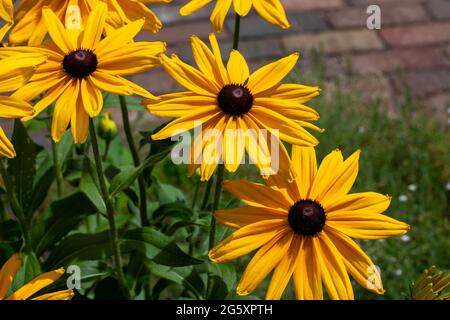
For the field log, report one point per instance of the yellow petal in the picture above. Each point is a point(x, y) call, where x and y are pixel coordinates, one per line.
point(94, 27)
point(258, 195)
point(219, 14)
point(9, 271)
point(193, 6)
point(307, 275)
point(247, 239)
point(237, 68)
point(57, 31)
point(305, 163)
point(284, 270)
point(38, 283)
point(362, 269)
point(263, 262)
point(364, 202)
point(333, 271)
point(366, 226)
point(242, 7)
point(242, 216)
point(6, 147)
point(58, 295)
point(271, 74)
point(64, 108)
point(272, 11)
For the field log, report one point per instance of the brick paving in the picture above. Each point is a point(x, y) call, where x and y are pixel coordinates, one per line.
point(410, 52)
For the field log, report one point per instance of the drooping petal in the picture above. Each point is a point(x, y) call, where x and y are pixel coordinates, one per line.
point(193, 6)
point(272, 11)
point(333, 271)
point(284, 270)
point(307, 274)
point(362, 269)
point(219, 14)
point(242, 7)
point(6, 147)
point(58, 295)
point(263, 262)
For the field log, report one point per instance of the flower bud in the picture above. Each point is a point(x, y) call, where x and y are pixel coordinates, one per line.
point(107, 128)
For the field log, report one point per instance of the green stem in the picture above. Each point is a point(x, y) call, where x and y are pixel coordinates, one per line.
point(114, 234)
point(58, 172)
point(237, 29)
point(217, 194)
point(212, 230)
point(136, 161)
point(206, 195)
point(194, 201)
point(16, 208)
point(105, 154)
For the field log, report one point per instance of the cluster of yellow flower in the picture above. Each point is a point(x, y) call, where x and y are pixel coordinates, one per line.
point(300, 222)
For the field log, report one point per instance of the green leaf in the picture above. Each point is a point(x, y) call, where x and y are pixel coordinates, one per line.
point(88, 185)
point(64, 215)
point(22, 168)
point(43, 180)
point(225, 271)
point(168, 193)
point(184, 276)
point(80, 247)
point(127, 176)
point(30, 269)
point(158, 247)
point(175, 210)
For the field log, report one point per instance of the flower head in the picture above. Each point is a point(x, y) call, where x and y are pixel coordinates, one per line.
point(81, 65)
point(271, 10)
point(431, 285)
point(9, 271)
point(303, 229)
point(30, 27)
point(231, 100)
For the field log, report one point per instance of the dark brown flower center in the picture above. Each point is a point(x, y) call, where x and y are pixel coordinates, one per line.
point(307, 217)
point(80, 63)
point(235, 100)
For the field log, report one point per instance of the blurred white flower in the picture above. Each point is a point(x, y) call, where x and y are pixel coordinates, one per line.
point(403, 198)
point(398, 272)
point(412, 187)
point(448, 186)
point(361, 129)
point(405, 238)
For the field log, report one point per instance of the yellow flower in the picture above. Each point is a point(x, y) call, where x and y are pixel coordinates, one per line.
point(9, 271)
point(6, 14)
point(302, 229)
point(30, 26)
point(271, 10)
point(232, 99)
point(430, 285)
point(80, 66)
point(14, 72)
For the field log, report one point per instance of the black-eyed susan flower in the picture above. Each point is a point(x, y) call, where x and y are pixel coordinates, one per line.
point(271, 10)
point(303, 229)
point(29, 290)
point(82, 65)
point(30, 27)
point(230, 99)
point(14, 72)
point(6, 14)
point(430, 285)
